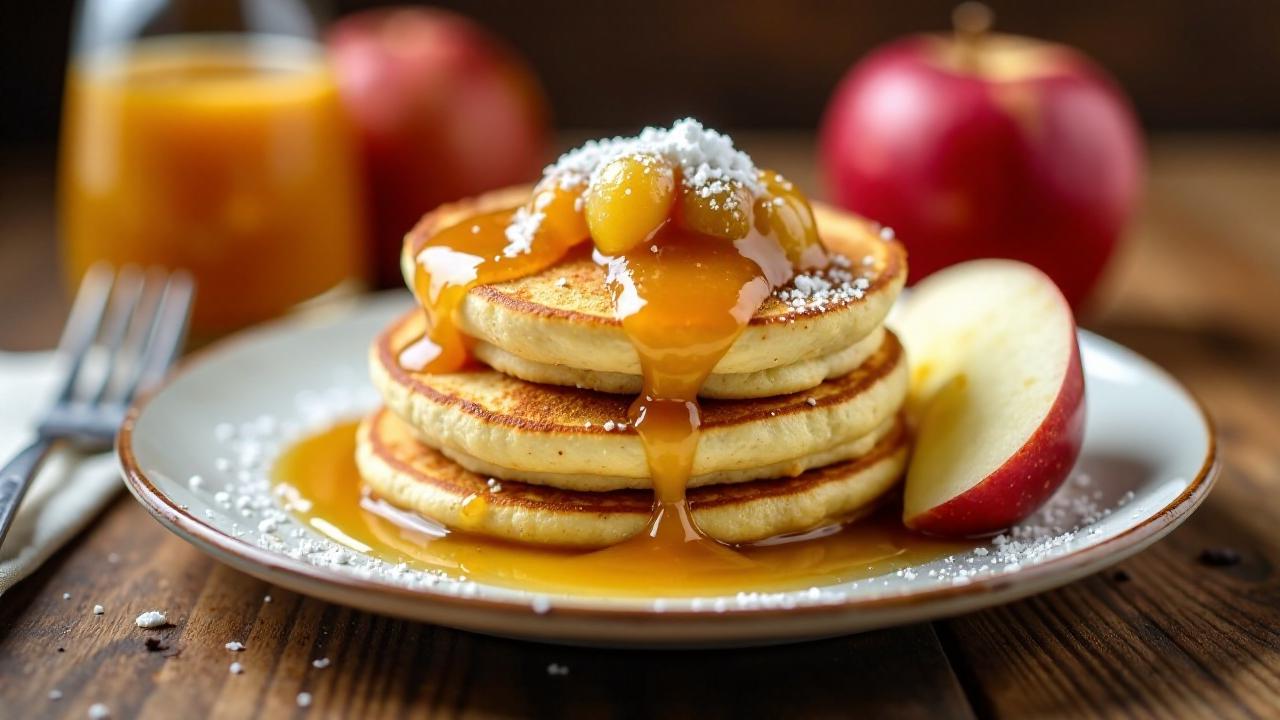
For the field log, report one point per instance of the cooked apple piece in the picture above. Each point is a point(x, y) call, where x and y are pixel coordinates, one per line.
point(722, 209)
point(630, 198)
point(784, 211)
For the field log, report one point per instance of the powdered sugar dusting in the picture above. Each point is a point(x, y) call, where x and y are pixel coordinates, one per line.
point(1070, 516)
point(151, 619)
point(814, 291)
point(1080, 514)
point(520, 231)
point(707, 159)
point(258, 512)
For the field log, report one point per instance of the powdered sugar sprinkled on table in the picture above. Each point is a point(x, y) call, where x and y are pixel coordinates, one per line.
point(151, 619)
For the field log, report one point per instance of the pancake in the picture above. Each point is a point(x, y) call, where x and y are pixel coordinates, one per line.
point(411, 475)
point(790, 467)
point(792, 378)
point(578, 440)
point(564, 315)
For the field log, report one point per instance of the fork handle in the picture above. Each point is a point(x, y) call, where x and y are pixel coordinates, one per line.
point(16, 477)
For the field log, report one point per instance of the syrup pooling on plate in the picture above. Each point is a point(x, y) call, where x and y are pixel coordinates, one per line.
point(318, 481)
point(695, 238)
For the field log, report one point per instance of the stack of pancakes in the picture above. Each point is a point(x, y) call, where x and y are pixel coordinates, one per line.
point(801, 423)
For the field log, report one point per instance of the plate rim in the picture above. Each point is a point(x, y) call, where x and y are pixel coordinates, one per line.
point(1033, 579)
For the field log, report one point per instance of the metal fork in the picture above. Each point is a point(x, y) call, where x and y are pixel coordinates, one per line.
point(124, 331)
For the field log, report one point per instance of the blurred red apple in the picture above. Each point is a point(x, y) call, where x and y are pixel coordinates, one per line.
point(443, 110)
point(984, 145)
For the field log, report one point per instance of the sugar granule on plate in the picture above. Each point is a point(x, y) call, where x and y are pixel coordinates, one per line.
point(255, 447)
point(320, 663)
point(1068, 521)
point(66, 596)
point(99, 711)
point(98, 610)
point(304, 699)
point(55, 694)
point(151, 619)
point(234, 646)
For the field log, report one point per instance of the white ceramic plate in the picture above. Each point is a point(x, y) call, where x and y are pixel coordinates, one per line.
point(1148, 461)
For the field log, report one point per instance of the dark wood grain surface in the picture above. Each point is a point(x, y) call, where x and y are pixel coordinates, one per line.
point(1197, 289)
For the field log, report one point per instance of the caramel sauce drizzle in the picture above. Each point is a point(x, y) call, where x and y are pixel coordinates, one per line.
point(319, 479)
point(474, 252)
point(683, 297)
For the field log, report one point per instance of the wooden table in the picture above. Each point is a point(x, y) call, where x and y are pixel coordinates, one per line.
point(1197, 289)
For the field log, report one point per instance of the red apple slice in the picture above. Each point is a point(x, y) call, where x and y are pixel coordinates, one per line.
point(997, 396)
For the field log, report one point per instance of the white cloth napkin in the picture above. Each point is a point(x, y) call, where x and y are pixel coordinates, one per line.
point(70, 489)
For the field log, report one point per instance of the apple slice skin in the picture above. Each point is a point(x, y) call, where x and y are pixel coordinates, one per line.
point(1005, 497)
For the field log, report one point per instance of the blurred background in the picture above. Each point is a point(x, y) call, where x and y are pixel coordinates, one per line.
point(1202, 79)
point(1187, 65)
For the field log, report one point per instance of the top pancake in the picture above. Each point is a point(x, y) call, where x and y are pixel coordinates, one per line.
point(565, 316)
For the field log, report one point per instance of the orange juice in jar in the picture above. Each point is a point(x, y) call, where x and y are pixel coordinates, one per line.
point(225, 154)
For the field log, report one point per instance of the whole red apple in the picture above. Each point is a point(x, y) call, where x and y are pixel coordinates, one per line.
point(443, 110)
point(986, 145)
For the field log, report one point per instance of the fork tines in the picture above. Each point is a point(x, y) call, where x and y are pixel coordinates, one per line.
point(124, 331)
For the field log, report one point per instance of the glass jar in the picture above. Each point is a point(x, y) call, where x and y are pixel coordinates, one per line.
point(208, 135)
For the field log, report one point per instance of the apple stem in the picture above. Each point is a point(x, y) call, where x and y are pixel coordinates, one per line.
point(971, 21)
